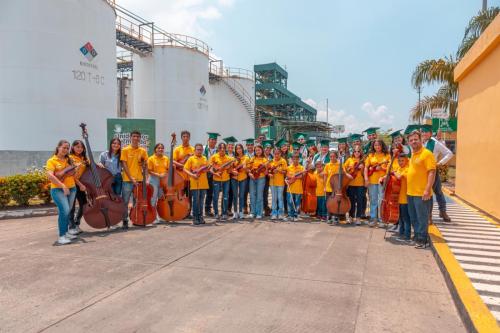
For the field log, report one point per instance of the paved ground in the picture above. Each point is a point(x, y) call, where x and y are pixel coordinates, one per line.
point(242, 277)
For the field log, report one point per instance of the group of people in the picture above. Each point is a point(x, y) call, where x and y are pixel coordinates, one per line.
point(229, 180)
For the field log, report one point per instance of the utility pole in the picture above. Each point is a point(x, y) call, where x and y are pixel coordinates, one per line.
point(419, 91)
point(327, 111)
point(485, 5)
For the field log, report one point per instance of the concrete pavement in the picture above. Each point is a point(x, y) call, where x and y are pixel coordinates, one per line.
point(241, 277)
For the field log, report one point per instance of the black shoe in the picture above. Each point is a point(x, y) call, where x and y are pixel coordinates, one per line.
point(189, 217)
point(444, 216)
point(202, 220)
point(421, 245)
point(125, 225)
point(196, 222)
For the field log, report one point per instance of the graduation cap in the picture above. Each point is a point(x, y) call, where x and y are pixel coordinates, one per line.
point(325, 143)
point(296, 145)
point(342, 139)
point(403, 155)
point(395, 134)
point(355, 137)
point(371, 130)
point(230, 139)
point(426, 128)
point(311, 143)
point(267, 143)
point(212, 135)
point(280, 143)
point(297, 136)
point(410, 128)
point(249, 141)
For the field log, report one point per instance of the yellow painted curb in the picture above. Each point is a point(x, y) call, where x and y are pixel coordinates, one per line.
point(469, 300)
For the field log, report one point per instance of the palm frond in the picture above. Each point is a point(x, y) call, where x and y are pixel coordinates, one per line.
point(465, 46)
point(429, 103)
point(434, 71)
point(480, 22)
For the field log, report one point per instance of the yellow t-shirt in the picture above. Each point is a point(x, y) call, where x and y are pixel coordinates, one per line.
point(278, 178)
point(242, 173)
point(158, 164)
point(133, 157)
point(331, 168)
point(217, 161)
point(194, 163)
point(296, 187)
point(80, 163)
point(255, 162)
point(402, 172)
point(374, 159)
point(421, 163)
point(320, 184)
point(55, 164)
point(359, 180)
point(180, 152)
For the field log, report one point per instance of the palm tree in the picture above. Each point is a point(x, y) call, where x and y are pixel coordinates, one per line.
point(441, 70)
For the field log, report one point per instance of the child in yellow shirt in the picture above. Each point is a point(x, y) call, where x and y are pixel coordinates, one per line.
point(277, 183)
point(294, 177)
point(404, 215)
point(320, 191)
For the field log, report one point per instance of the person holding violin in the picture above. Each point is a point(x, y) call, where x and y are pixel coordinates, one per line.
point(219, 169)
point(110, 160)
point(181, 154)
point(375, 168)
point(209, 151)
point(132, 157)
point(196, 168)
point(294, 175)
point(157, 170)
point(78, 155)
point(268, 153)
point(62, 188)
point(321, 212)
point(285, 151)
point(249, 152)
point(277, 170)
point(257, 173)
point(355, 167)
point(230, 141)
point(239, 180)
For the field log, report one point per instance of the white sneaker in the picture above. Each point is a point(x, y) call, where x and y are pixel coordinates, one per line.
point(285, 219)
point(381, 225)
point(250, 216)
point(259, 217)
point(241, 216)
point(273, 217)
point(157, 221)
point(357, 222)
point(348, 219)
point(78, 230)
point(63, 240)
point(72, 232)
point(298, 219)
point(70, 236)
point(235, 216)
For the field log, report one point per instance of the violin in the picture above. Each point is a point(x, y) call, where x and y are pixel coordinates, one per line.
point(290, 180)
point(373, 168)
point(68, 171)
point(202, 169)
point(183, 161)
point(143, 212)
point(174, 205)
point(103, 208)
point(309, 199)
point(354, 170)
point(258, 170)
point(236, 169)
point(338, 203)
point(217, 169)
point(391, 186)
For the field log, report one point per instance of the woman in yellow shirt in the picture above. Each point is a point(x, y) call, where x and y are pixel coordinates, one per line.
point(78, 156)
point(239, 180)
point(257, 182)
point(294, 175)
point(376, 163)
point(331, 169)
point(62, 189)
point(196, 168)
point(356, 190)
point(320, 190)
point(157, 170)
point(277, 171)
point(220, 170)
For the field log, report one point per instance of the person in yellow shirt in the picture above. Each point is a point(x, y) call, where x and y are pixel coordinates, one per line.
point(277, 170)
point(181, 154)
point(355, 167)
point(158, 170)
point(376, 163)
point(220, 170)
point(404, 222)
point(239, 180)
point(331, 169)
point(133, 158)
point(196, 167)
point(320, 190)
point(230, 142)
point(294, 175)
point(257, 182)
point(78, 155)
point(420, 178)
point(62, 189)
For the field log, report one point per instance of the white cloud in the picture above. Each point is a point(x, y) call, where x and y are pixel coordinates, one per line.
point(379, 115)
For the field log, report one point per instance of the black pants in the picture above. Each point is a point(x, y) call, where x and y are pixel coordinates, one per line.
point(210, 194)
point(266, 194)
point(82, 200)
point(230, 199)
point(364, 201)
point(285, 202)
point(355, 194)
point(247, 190)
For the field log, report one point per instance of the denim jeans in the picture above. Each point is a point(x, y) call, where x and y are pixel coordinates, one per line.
point(404, 221)
point(127, 188)
point(355, 194)
point(64, 204)
point(218, 187)
point(198, 200)
point(374, 191)
point(81, 197)
point(419, 210)
point(321, 209)
point(277, 200)
point(210, 191)
point(438, 192)
point(157, 191)
point(293, 207)
point(239, 188)
point(117, 184)
point(257, 195)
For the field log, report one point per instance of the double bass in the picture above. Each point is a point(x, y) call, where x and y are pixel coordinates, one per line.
point(309, 199)
point(143, 212)
point(174, 204)
point(389, 204)
point(338, 203)
point(103, 208)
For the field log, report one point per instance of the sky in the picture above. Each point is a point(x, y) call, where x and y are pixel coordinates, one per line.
point(358, 54)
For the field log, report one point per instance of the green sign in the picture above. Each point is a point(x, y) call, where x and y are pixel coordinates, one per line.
point(444, 125)
point(121, 128)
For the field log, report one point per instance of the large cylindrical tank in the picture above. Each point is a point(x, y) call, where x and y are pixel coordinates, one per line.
point(58, 68)
point(171, 86)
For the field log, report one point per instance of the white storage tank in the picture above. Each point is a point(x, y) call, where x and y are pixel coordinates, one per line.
point(58, 68)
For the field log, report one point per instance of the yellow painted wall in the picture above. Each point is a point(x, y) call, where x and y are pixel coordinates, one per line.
point(478, 141)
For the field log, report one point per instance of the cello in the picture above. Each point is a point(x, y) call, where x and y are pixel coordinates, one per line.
point(143, 212)
point(338, 203)
point(309, 199)
point(391, 185)
point(103, 208)
point(173, 205)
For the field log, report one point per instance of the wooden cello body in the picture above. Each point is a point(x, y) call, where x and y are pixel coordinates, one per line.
point(309, 199)
point(338, 203)
point(174, 205)
point(391, 186)
point(103, 208)
point(143, 213)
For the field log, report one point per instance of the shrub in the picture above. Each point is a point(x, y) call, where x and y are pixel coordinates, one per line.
point(4, 193)
point(43, 184)
point(22, 188)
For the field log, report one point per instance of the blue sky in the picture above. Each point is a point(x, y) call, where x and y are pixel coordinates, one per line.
point(358, 54)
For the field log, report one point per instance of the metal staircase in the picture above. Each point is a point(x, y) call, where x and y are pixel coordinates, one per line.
point(241, 94)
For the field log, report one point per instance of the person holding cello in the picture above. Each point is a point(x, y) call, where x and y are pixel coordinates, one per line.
point(355, 167)
point(181, 154)
point(294, 174)
point(78, 155)
point(277, 170)
point(329, 170)
point(110, 160)
point(157, 170)
point(132, 157)
point(196, 168)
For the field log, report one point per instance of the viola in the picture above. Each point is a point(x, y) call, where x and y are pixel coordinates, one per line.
point(174, 205)
point(391, 186)
point(202, 169)
point(217, 169)
point(354, 170)
point(68, 171)
point(258, 170)
point(373, 168)
point(236, 169)
point(309, 199)
point(103, 208)
point(143, 212)
point(290, 180)
point(338, 203)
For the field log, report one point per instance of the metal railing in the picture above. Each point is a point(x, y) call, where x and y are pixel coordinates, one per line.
point(163, 38)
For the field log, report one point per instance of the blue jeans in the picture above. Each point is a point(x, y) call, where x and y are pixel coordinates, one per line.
point(257, 195)
point(218, 187)
point(321, 210)
point(404, 221)
point(293, 206)
point(64, 204)
point(438, 192)
point(419, 210)
point(277, 200)
point(198, 200)
point(127, 189)
point(355, 194)
point(238, 188)
point(117, 184)
point(374, 191)
point(157, 191)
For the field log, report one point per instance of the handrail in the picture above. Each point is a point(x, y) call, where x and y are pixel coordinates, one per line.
point(240, 89)
point(132, 29)
point(169, 39)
